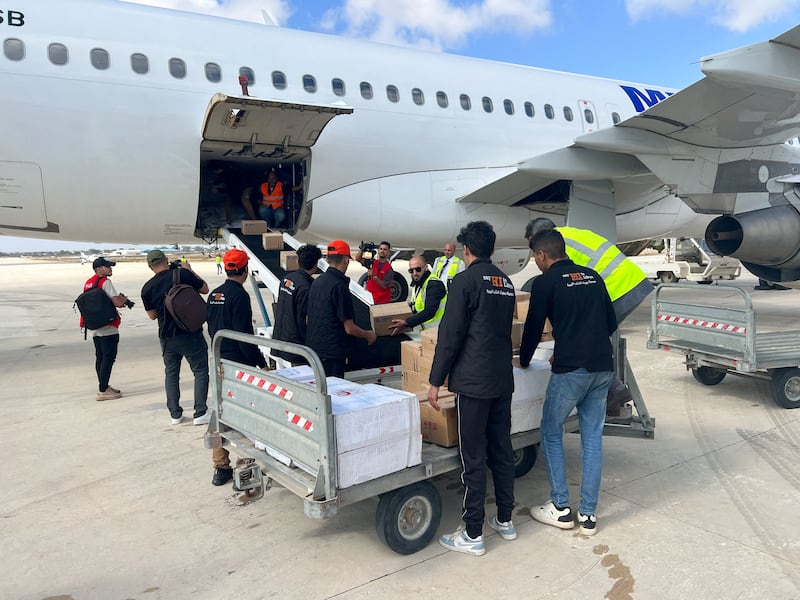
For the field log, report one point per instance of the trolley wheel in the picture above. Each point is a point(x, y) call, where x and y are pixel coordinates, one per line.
point(785, 387)
point(709, 375)
point(667, 277)
point(399, 287)
point(407, 518)
point(524, 459)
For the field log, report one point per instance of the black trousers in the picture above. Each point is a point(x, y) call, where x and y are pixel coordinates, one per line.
point(334, 367)
point(105, 353)
point(484, 438)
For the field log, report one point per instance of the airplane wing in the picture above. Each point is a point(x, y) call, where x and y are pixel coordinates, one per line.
point(701, 142)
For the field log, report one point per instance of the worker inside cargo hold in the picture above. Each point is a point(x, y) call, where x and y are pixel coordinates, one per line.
point(428, 298)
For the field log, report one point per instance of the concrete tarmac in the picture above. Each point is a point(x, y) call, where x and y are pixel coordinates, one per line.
point(107, 500)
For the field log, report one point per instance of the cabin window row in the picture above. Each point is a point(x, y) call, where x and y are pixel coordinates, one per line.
point(58, 54)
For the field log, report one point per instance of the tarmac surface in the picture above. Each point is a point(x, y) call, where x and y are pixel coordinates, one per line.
point(107, 500)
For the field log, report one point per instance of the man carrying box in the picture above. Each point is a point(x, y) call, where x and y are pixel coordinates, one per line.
point(427, 301)
point(474, 349)
point(331, 312)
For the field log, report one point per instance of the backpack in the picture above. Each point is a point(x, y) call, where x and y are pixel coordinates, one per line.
point(96, 307)
point(186, 307)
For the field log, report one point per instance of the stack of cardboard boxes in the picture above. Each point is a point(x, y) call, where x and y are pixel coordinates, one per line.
point(377, 428)
point(382, 315)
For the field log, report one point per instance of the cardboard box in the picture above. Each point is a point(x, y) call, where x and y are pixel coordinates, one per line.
point(271, 240)
point(428, 338)
point(410, 351)
point(254, 227)
point(516, 334)
point(522, 301)
point(289, 259)
point(382, 315)
point(547, 332)
point(413, 382)
point(379, 459)
point(440, 427)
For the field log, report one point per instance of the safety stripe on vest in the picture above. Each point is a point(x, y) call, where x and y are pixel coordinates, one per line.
point(264, 384)
point(706, 324)
point(596, 255)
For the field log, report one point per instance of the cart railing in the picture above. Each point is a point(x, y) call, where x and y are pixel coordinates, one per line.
point(697, 326)
point(293, 419)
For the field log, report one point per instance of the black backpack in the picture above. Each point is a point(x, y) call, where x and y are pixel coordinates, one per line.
point(186, 307)
point(96, 307)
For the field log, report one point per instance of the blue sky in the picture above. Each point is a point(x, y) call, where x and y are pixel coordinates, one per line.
point(657, 42)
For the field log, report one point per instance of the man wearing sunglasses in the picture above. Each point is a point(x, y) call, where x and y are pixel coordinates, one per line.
point(427, 301)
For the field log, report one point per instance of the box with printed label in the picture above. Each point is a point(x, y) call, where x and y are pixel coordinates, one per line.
point(410, 351)
point(256, 227)
point(413, 382)
point(379, 459)
point(289, 260)
point(429, 338)
point(440, 427)
point(272, 241)
point(366, 414)
point(382, 315)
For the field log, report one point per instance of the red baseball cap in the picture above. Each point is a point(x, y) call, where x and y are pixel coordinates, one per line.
point(234, 260)
point(338, 247)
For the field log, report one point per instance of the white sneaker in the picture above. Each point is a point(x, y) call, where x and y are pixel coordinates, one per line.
point(588, 523)
point(506, 530)
point(177, 421)
point(557, 517)
point(459, 541)
point(203, 419)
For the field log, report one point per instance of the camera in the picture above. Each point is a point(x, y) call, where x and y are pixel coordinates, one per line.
point(367, 253)
point(175, 264)
point(129, 303)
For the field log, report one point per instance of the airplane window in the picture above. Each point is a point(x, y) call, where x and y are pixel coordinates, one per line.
point(392, 93)
point(338, 87)
point(615, 117)
point(249, 73)
point(568, 113)
point(213, 72)
point(177, 68)
point(466, 103)
point(99, 58)
point(418, 96)
point(309, 84)
point(487, 104)
point(588, 115)
point(441, 99)
point(508, 105)
point(366, 90)
point(279, 80)
point(140, 64)
point(529, 109)
point(549, 112)
point(14, 49)
point(58, 54)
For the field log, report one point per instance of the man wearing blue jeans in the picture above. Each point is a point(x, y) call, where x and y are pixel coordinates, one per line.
point(575, 300)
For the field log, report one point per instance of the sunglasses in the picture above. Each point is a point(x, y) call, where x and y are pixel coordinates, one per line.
point(415, 270)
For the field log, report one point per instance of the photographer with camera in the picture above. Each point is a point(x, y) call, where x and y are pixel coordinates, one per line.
point(177, 343)
point(379, 270)
point(106, 339)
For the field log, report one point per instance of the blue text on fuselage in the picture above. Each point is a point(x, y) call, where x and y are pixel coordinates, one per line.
point(644, 99)
point(12, 18)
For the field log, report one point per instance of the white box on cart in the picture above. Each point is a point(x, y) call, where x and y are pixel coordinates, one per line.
point(527, 401)
point(377, 460)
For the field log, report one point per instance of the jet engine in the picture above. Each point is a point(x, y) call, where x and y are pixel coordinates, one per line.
point(766, 241)
point(511, 260)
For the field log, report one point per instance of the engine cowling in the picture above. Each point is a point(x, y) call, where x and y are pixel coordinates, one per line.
point(511, 260)
point(766, 241)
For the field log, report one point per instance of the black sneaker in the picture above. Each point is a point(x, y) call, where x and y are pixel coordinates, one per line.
point(222, 475)
point(588, 523)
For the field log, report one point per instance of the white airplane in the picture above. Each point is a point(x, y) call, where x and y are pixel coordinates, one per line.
point(127, 123)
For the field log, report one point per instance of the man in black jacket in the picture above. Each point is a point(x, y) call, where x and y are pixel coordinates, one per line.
point(575, 300)
point(229, 308)
point(474, 348)
point(292, 308)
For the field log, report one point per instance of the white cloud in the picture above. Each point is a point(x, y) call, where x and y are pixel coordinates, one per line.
point(244, 10)
point(435, 23)
point(735, 15)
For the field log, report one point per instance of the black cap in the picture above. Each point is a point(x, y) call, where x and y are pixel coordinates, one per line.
point(102, 262)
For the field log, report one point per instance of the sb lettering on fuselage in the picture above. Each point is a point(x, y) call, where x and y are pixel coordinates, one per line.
point(644, 99)
point(12, 18)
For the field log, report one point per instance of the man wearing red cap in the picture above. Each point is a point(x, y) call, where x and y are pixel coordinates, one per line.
point(331, 313)
point(229, 308)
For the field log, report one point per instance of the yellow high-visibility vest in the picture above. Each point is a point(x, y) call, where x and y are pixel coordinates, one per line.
point(454, 267)
point(589, 249)
point(419, 303)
